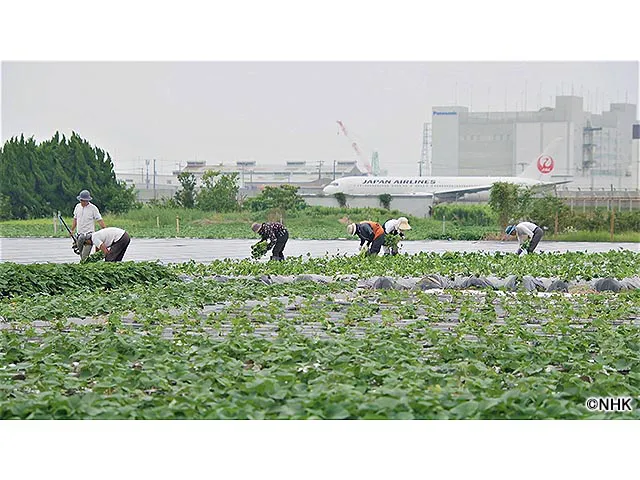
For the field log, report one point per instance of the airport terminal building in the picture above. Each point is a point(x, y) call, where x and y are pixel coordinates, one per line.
point(596, 149)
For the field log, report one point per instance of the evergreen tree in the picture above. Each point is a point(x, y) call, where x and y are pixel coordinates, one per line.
point(36, 180)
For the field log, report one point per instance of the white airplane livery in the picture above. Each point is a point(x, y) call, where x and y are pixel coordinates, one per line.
point(538, 173)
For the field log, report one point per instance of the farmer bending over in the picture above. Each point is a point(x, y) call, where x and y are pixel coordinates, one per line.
point(395, 226)
point(370, 233)
point(113, 242)
point(276, 236)
point(529, 235)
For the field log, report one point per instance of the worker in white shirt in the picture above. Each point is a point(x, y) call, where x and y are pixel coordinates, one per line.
point(529, 235)
point(395, 226)
point(113, 242)
point(85, 216)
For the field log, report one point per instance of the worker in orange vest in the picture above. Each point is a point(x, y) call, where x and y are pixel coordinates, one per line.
point(370, 233)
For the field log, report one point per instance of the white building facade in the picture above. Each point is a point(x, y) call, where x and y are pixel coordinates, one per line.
point(594, 149)
point(635, 155)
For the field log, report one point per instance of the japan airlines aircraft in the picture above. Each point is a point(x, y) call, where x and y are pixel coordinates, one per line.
point(538, 173)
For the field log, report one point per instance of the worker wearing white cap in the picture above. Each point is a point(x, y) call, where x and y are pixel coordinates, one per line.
point(395, 226)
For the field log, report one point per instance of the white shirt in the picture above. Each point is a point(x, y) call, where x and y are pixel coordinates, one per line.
point(108, 236)
point(524, 230)
point(86, 217)
point(391, 225)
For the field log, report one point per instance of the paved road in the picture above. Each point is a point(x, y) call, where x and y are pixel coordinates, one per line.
point(58, 250)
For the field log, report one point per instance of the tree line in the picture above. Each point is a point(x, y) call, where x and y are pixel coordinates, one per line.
point(219, 192)
point(512, 203)
point(38, 179)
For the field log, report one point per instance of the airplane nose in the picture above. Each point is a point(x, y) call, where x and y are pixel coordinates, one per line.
point(329, 190)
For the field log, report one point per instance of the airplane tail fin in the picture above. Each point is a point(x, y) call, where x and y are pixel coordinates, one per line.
point(542, 167)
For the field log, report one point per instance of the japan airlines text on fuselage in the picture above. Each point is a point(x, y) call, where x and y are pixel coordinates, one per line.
point(419, 185)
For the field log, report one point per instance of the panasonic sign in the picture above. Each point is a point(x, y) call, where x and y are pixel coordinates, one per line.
point(444, 113)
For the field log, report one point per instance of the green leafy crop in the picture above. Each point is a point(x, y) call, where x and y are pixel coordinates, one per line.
point(146, 341)
point(52, 279)
point(568, 266)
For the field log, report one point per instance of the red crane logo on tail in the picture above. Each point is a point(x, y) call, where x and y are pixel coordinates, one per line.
point(545, 164)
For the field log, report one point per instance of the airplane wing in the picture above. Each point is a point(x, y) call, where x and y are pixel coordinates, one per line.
point(548, 185)
point(559, 182)
point(462, 191)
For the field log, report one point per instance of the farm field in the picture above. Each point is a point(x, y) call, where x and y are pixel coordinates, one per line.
point(318, 223)
point(248, 340)
point(313, 223)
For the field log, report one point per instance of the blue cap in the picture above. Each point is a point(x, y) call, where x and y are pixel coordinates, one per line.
point(510, 229)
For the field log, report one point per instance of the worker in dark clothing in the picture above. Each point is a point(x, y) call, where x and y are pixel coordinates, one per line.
point(370, 233)
point(276, 236)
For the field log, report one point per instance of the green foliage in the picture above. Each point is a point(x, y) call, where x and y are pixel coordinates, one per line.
point(542, 211)
point(94, 257)
point(568, 266)
point(40, 179)
point(208, 350)
point(507, 201)
point(385, 201)
point(283, 198)
point(320, 223)
point(259, 249)
point(185, 196)
point(341, 198)
point(5, 207)
point(52, 279)
point(392, 241)
point(599, 220)
point(462, 214)
point(121, 198)
point(218, 192)
point(162, 203)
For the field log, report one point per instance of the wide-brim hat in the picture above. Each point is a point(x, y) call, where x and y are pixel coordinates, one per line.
point(84, 195)
point(256, 227)
point(404, 224)
point(351, 229)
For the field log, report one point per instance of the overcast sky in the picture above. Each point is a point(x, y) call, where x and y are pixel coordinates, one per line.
point(277, 111)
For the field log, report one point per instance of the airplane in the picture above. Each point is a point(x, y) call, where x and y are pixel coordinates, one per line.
point(537, 174)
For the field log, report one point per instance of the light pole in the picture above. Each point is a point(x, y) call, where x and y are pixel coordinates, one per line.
point(154, 179)
point(334, 169)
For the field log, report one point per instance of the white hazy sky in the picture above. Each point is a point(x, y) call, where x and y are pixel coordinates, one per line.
point(277, 111)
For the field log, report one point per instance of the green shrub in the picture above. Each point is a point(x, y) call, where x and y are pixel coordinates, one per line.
point(466, 214)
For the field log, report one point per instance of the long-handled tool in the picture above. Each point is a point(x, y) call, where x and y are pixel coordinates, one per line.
point(75, 245)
